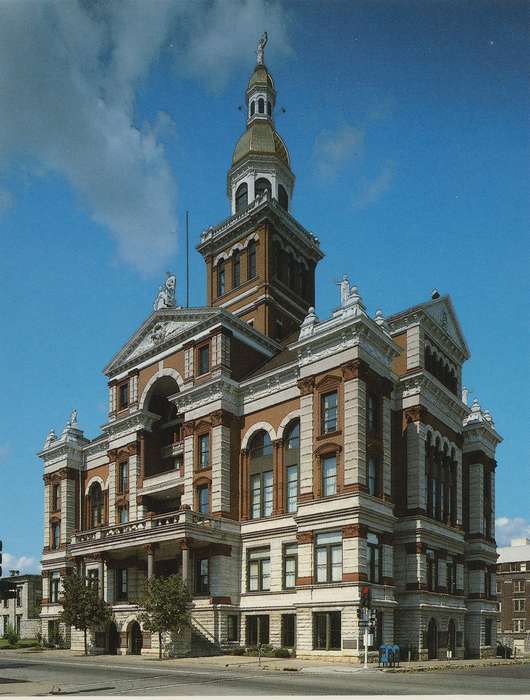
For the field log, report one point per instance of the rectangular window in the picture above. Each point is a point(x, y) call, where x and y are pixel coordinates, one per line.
point(518, 625)
point(251, 260)
point(6, 622)
point(292, 489)
point(519, 605)
point(18, 620)
point(204, 451)
point(19, 596)
point(123, 395)
point(261, 495)
point(259, 564)
point(92, 576)
point(236, 269)
point(202, 584)
point(257, 630)
point(328, 413)
point(288, 630)
point(327, 630)
point(123, 480)
point(328, 557)
point(232, 631)
point(204, 359)
point(123, 514)
point(56, 535)
point(432, 573)
point(203, 499)
point(518, 586)
point(55, 582)
point(329, 475)
point(122, 590)
point(451, 576)
point(56, 499)
point(289, 565)
point(373, 476)
point(374, 558)
point(372, 422)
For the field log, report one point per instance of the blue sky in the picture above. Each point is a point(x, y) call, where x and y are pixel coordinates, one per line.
point(407, 128)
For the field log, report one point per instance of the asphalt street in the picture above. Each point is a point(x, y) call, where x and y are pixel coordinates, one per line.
point(27, 675)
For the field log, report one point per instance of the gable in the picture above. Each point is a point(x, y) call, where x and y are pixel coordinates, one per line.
point(442, 312)
point(162, 330)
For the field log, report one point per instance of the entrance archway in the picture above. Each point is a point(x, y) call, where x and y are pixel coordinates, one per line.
point(451, 638)
point(135, 639)
point(113, 639)
point(432, 639)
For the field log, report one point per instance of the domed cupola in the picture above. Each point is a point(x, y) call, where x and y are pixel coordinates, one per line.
point(260, 163)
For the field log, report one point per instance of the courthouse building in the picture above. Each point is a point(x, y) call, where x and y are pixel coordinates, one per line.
point(279, 461)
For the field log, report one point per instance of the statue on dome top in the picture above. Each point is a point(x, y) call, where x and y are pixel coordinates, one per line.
point(165, 298)
point(262, 43)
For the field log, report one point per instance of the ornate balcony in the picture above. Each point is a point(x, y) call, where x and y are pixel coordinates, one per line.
point(182, 524)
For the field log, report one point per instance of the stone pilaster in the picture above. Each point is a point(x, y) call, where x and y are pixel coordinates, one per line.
point(416, 486)
point(221, 469)
point(476, 498)
point(306, 445)
point(387, 437)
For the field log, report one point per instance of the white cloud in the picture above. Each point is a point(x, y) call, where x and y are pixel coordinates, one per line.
point(370, 191)
point(333, 150)
point(70, 71)
point(24, 564)
point(507, 529)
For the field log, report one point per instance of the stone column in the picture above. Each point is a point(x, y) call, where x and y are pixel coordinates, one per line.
point(244, 506)
point(188, 435)
point(354, 423)
point(185, 562)
point(306, 438)
point(416, 484)
point(150, 551)
point(221, 462)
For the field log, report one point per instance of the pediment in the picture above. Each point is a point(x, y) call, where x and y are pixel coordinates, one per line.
point(165, 327)
point(442, 312)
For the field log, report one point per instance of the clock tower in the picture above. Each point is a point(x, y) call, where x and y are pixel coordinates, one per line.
point(261, 261)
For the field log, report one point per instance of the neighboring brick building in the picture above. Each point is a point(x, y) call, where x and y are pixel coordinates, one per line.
point(279, 461)
point(513, 594)
point(22, 612)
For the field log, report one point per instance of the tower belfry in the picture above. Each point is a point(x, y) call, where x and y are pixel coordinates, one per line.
point(261, 261)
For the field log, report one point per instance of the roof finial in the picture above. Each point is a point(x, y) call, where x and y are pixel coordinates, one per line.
point(262, 43)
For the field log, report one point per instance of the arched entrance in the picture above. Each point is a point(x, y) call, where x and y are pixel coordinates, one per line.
point(134, 639)
point(112, 639)
point(432, 639)
point(451, 639)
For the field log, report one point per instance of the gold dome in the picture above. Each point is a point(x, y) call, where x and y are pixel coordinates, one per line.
point(260, 138)
point(261, 76)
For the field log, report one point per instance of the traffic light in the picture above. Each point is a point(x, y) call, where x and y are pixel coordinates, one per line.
point(366, 597)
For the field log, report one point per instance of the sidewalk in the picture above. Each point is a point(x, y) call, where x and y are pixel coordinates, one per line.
point(267, 664)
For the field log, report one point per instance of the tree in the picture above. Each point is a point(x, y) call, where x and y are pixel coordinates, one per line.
point(166, 606)
point(82, 606)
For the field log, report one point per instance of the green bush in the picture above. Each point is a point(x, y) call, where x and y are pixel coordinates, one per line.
point(251, 651)
point(282, 653)
point(237, 651)
point(11, 635)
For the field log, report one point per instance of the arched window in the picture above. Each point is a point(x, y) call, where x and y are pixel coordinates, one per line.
point(252, 108)
point(220, 278)
point(292, 463)
point(251, 260)
point(96, 505)
point(261, 105)
point(262, 185)
point(269, 108)
point(261, 482)
point(242, 197)
point(283, 198)
point(236, 269)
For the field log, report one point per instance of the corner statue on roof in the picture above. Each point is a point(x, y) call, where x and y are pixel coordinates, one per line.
point(165, 298)
point(262, 43)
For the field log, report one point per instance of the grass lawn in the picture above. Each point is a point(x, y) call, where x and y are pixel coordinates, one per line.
point(21, 644)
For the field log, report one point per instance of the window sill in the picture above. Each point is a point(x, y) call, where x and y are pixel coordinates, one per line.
point(331, 434)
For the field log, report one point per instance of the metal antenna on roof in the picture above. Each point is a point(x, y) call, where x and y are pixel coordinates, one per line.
point(187, 262)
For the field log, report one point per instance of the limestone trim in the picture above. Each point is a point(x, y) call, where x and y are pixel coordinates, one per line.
point(166, 372)
point(261, 425)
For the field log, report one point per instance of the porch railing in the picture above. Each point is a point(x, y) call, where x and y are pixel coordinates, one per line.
point(180, 517)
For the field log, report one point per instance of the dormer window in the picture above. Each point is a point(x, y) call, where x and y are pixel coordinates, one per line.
point(123, 395)
point(261, 105)
point(242, 196)
point(269, 108)
point(204, 359)
point(252, 108)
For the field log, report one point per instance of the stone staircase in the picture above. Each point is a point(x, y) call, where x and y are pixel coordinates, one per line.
point(202, 643)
